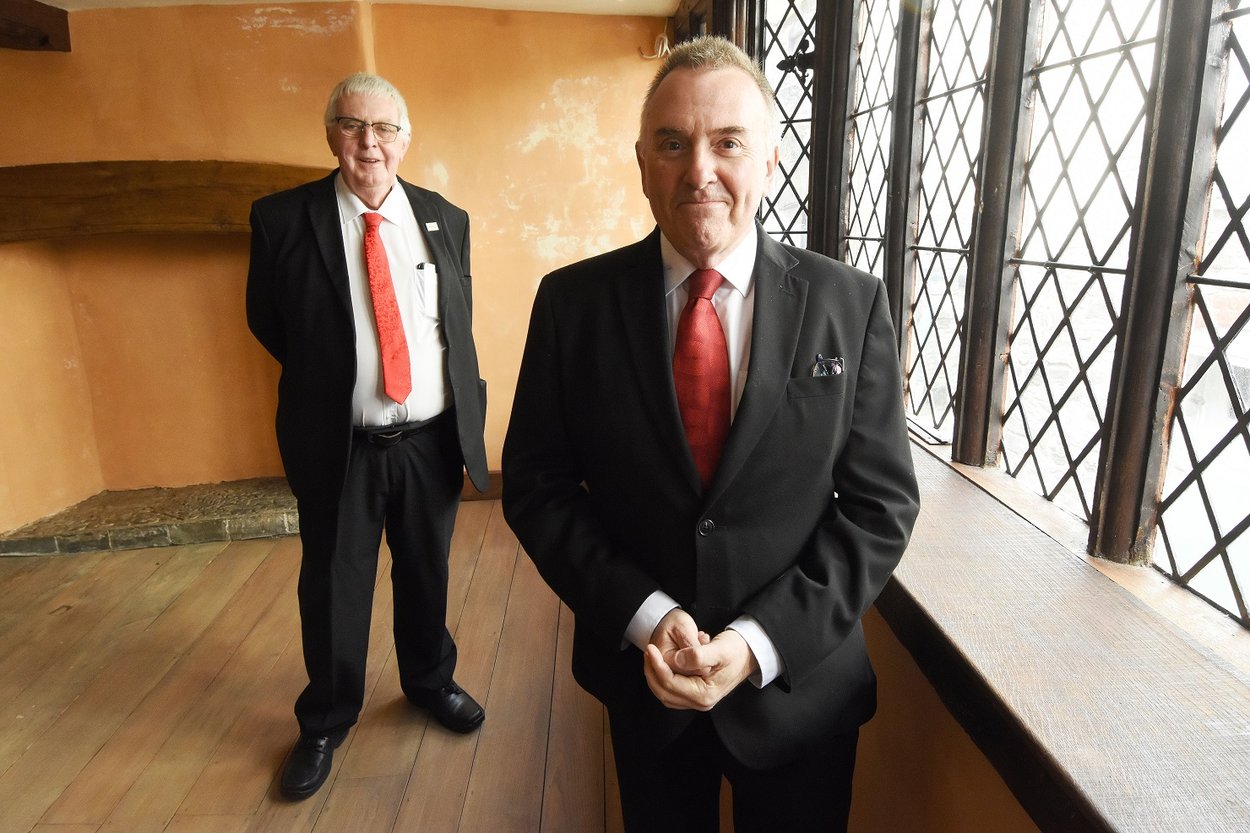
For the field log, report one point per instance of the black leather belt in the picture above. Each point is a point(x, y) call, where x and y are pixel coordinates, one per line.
point(388, 435)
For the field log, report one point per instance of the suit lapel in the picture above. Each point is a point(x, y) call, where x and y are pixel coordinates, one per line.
point(780, 298)
point(323, 213)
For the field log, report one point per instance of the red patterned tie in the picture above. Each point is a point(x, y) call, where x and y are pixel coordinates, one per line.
point(396, 373)
point(701, 373)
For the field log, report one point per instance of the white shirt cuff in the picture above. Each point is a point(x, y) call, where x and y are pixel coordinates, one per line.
point(640, 628)
point(766, 656)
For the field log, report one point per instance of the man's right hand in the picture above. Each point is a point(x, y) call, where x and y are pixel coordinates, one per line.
point(675, 631)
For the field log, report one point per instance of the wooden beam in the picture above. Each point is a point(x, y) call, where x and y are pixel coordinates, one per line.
point(29, 24)
point(39, 202)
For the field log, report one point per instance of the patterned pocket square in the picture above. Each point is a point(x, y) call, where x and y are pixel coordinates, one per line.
point(828, 367)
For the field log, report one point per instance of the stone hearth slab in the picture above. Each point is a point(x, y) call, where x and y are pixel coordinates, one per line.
point(161, 517)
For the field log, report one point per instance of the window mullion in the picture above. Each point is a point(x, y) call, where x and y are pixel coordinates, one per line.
point(904, 174)
point(835, 27)
point(987, 307)
point(1155, 306)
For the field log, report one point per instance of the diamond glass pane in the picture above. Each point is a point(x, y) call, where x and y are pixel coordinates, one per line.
point(1204, 517)
point(1062, 348)
point(1088, 102)
point(789, 30)
point(949, 112)
point(868, 145)
point(1227, 250)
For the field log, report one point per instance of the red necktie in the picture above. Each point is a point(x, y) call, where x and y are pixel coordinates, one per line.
point(396, 374)
point(701, 373)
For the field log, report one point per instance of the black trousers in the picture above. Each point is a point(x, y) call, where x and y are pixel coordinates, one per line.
point(412, 491)
point(677, 788)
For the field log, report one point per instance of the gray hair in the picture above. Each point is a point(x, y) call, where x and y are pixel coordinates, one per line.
point(363, 83)
point(709, 52)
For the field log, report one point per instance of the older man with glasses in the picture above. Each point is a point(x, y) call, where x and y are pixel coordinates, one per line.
point(359, 286)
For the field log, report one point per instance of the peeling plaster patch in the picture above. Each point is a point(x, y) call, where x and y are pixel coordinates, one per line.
point(568, 125)
point(576, 122)
point(282, 17)
point(438, 174)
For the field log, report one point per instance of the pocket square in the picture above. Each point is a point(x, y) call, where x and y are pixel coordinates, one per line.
point(828, 367)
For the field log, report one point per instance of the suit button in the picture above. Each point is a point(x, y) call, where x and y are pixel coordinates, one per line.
point(706, 527)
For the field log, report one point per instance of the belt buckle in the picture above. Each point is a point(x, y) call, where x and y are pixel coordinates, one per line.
point(386, 440)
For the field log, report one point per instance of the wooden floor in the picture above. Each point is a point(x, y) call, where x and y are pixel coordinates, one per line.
point(151, 690)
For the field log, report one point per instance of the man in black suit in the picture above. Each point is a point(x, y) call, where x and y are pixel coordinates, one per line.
point(359, 286)
point(717, 541)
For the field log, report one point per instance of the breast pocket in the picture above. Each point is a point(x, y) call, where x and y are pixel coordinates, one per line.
point(808, 386)
point(425, 290)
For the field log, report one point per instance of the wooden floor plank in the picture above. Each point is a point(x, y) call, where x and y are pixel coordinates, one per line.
point(26, 577)
point(51, 630)
point(208, 824)
point(244, 765)
point(45, 769)
point(573, 789)
point(435, 796)
point(389, 734)
point(503, 796)
point(160, 789)
point(250, 572)
point(242, 769)
point(466, 547)
point(182, 724)
point(362, 805)
point(51, 691)
point(63, 611)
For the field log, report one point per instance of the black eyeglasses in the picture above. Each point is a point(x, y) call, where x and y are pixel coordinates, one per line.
point(355, 128)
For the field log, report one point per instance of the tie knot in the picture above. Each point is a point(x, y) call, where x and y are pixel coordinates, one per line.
point(372, 220)
point(703, 283)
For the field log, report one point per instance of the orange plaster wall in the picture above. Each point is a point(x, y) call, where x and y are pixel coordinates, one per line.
point(186, 82)
point(525, 120)
point(528, 122)
point(181, 392)
point(48, 455)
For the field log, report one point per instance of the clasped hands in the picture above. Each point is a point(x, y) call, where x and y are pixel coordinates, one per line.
point(687, 669)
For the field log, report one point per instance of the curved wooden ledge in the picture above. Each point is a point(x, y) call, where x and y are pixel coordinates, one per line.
point(40, 202)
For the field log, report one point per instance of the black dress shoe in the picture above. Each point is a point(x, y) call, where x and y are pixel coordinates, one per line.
point(308, 764)
point(451, 706)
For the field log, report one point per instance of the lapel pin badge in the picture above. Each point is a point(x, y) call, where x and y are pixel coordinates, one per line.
point(828, 367)
point(431, 226)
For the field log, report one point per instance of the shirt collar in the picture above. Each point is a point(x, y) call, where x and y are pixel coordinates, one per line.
point(737, 267)
point(351, 206)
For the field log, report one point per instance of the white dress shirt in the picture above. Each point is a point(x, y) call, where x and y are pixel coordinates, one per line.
point(416, 291)
point(735, 306)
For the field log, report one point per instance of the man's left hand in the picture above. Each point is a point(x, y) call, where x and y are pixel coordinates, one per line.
point(701, 675)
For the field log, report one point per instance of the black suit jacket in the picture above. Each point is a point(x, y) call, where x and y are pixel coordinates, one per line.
point(299, 307)
point(807, 516)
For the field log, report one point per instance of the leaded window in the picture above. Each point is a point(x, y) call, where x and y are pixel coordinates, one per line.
point(949, 109)
point(789, 35)
point(868, 143)
point(1088, 99)
point(1204, 514)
